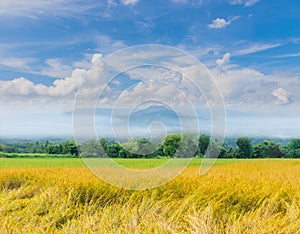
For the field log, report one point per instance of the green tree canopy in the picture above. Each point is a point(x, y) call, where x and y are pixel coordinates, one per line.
point(244, 147)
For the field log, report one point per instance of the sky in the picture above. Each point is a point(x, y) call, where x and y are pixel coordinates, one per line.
point(250, 47)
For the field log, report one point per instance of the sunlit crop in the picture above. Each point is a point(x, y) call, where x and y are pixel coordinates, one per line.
point(255, 196)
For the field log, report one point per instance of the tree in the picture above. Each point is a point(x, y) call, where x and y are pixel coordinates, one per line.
point(71, 148)
point(37, 148)
point(54, 149)
point(130, 149)
point(104, 143)
point(275, 150)
point(267, 149)
point(29, 148)
point(65, 149)
point(140, 148)
point(46, 148)
point(203, 144)
point(188, 146)
point(171, 144)
point(146, 147)
point(124, 153)
point(113, 150)
point(294, 144)
point(293, 148)
point(180, 146)
point(244, 147)
point(216, 150)
point(91, 149)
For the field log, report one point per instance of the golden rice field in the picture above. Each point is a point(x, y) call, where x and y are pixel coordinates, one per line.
point(250, 196)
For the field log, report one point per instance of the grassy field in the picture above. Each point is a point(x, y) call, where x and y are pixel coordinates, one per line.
point(35, 155)
point(235, 196)
point(78, 162)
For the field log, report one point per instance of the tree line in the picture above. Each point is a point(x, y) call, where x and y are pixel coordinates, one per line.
point(173, 145)
point(65, 148)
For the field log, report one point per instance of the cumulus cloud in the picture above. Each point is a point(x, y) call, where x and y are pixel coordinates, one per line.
point(282, 96)
point(240, 87)
point(220, 23)
point(243, 89)
point(24, 87)
point(19, 86)
point(250, 90)
point(67, 86)
point(96, 58)
point(224, 61)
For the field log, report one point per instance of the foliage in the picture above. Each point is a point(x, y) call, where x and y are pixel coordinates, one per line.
point(203, 144)
point(171, 144)
point(268, 149)
point(174, 145)
point(91, 149)
point(244, 147)
point(293, 149)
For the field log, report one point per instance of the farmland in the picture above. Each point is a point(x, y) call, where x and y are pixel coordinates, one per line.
point(40, 195)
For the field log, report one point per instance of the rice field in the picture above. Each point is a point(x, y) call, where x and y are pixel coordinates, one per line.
point(235, 196)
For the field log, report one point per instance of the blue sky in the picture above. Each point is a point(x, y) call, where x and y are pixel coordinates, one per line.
point(252, 48)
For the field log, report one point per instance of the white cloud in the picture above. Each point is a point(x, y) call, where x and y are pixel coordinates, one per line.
point(248, 89)
point(180, 1)
point(129, 2)
point(246, 3)
point(56, 68)
point(288, 55)
point(283, 97)
point(256, 48)
point(53, 67)
point(67, 86)
point(16, 63)
point(111, 3)
point(224, 61)
point(33, 8)
point(250, 3)
point(96, 58)
point(191, 2)
point(241, 87)
point(220, 23)
point(236, 2)
point(21, 87)
point(106, 44)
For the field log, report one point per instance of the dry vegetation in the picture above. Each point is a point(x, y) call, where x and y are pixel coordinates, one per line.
point(261, 196)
